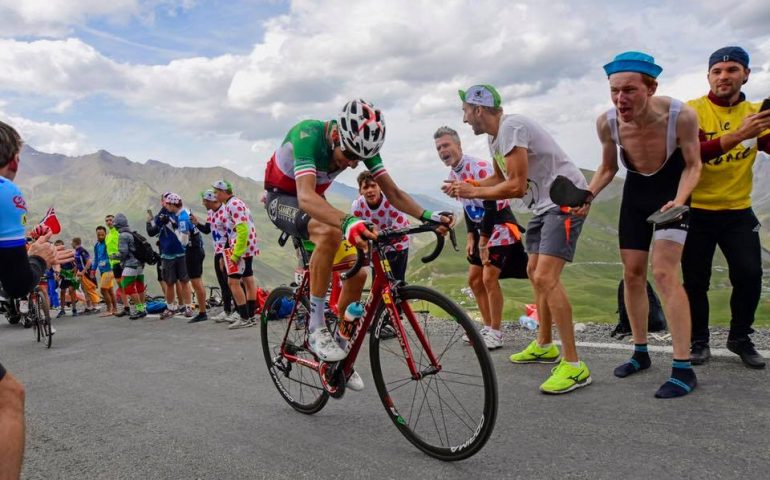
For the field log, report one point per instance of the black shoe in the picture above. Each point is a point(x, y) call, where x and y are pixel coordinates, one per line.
point(201, 317)
point(122, 313)
point(137, 315)
point(749, 355)
point(699, 353)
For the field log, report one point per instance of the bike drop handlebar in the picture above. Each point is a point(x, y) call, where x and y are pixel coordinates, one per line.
point(362, 258)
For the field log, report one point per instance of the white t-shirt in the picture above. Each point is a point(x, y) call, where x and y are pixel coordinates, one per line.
point(546, 159)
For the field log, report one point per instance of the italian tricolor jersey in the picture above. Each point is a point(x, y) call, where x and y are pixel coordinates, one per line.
point(726, 181)
point(383, 216)
point(306, 151)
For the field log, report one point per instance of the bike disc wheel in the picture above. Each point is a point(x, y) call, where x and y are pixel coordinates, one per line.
point(449, 414)
point(299, 385)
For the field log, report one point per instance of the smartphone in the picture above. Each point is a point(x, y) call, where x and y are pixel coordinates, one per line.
point(765, 105)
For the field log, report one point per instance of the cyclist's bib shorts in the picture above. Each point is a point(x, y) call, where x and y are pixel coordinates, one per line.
point(283, 210)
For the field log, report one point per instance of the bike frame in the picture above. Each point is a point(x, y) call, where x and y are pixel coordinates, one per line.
point(382, 291)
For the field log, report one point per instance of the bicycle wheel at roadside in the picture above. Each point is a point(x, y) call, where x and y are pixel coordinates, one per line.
point(282, 319)
point(447, 412)
point(42, 318)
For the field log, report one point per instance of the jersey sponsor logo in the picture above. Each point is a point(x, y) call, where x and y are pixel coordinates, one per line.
point(272, 209)
point(303, 135)
point(18, 202)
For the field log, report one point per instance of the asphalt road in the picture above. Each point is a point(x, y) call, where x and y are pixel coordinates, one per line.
point(115, 399)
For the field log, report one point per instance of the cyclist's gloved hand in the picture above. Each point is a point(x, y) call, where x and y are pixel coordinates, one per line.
point(356, 231)
point(446, 218)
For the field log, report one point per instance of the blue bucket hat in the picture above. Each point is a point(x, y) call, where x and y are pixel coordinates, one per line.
point(633, 62)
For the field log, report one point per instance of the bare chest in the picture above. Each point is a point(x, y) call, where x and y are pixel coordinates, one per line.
point(644, 148)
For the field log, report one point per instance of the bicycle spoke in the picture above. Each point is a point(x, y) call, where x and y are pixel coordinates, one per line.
point(448, 412)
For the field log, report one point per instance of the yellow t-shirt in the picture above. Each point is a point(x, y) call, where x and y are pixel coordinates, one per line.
point(726, 181)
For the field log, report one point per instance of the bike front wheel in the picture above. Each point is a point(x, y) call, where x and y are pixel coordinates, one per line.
point(448, 409)
point(284, 331)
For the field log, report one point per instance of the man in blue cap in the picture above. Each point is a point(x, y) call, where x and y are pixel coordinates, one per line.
point(658, 140)
point(731, 134)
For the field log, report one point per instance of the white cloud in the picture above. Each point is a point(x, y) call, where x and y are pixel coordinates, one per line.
point(409, 57)
point(49, 137)
point(56, 18)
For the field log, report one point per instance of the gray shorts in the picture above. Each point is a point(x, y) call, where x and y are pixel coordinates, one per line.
point(175, 270)
point(554, 233)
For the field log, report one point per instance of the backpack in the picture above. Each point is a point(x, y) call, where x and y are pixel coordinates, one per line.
point(656, 320)
point(143, 250)
point(155, 306)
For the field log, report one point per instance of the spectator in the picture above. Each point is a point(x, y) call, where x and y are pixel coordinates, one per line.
point(101, 264)
point(68, 283)
point(173, 240)
point(112, 250)
point(85, 276)
point(132, 280)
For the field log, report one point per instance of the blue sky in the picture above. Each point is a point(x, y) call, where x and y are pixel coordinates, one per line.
point(202, 83)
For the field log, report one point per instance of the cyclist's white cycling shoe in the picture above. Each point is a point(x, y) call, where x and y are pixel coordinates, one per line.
point(323, 345)
point(355, 382)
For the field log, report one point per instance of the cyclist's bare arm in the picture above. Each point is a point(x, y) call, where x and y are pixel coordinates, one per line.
point(315, 205)
point(399, 198)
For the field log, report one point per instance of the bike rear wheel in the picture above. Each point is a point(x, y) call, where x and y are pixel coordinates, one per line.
point(448, 414)
point(299, 385)
point(44, 318)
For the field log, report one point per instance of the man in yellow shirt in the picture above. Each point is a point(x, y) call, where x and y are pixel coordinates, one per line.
point(731, 134)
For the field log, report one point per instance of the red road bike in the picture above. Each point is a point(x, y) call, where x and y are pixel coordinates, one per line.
point(439, 392)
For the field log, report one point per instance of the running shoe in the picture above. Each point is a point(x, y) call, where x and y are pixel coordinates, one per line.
point(137, 315)
point(492, 340)
point(60, 314)
point(124, 312)
point(565, 378)
point(241, 323)
point(355, 382)
point(534, 354)
point(221, 317)
point(201, 317)
point(233, 317)
point(323, 345)
point(167, 313)
point(188, 312)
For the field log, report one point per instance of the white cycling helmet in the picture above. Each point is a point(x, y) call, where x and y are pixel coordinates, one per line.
point(362, 128)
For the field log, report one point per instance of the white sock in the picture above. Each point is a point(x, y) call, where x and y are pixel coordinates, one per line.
point(316, 313)
point(545, 346)
point(575, 364)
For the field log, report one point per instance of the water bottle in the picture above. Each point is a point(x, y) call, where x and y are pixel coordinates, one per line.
point(349, 324)
point(527, 322)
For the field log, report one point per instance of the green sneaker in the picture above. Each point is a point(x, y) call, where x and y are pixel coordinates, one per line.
point(565, 378)
point(534, 354)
